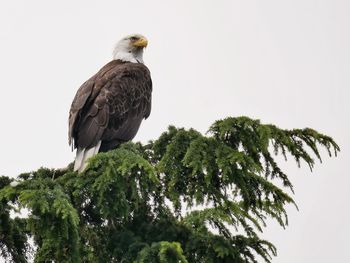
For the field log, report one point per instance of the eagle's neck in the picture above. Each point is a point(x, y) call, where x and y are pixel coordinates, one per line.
point(135, 56)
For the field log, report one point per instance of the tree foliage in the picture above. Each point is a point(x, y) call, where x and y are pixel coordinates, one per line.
point(185, 197)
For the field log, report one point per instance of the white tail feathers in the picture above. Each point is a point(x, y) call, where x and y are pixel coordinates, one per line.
point(83, 156)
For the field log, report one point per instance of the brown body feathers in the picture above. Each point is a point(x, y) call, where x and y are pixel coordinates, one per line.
point(110, 106)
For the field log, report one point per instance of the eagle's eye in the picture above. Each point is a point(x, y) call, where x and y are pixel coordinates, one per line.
point(133, 38)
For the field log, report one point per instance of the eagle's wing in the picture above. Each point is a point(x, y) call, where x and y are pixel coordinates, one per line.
point(81, 98)
point(110, 104)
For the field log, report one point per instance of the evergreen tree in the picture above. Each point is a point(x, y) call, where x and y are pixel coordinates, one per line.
point(185, 197)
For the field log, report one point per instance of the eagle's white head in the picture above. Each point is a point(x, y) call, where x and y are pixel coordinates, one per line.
point(130, 48)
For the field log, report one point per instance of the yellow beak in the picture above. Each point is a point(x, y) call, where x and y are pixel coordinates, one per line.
point(142, 42)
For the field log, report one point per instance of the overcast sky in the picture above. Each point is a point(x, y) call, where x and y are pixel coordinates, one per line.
point(284, 62)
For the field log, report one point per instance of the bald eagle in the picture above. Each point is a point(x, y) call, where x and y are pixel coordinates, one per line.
point(108, 108)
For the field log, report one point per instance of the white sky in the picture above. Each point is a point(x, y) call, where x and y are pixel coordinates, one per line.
point(284, 62)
